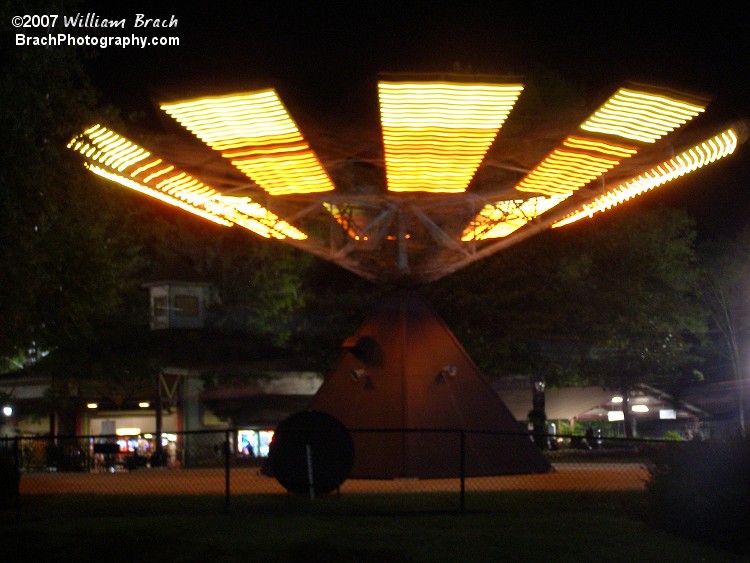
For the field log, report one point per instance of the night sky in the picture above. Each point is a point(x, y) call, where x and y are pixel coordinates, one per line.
point(324, 60)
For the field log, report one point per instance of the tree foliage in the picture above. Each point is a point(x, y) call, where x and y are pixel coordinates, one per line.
point(608, 302)
point(644, 308)
point(727, 297)
point(256, 282)
point(76, 250)
point(336, 303)
point(63, 261)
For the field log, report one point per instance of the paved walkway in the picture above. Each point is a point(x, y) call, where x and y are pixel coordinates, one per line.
point(563, 477)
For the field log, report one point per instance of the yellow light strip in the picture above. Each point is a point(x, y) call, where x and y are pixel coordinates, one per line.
point(640, 116)
point(119, 160)
point(709, 151)
point(503, 217)
point(257, 135)
point(435, 134)
point(343, 220)
point(133, 185)
point(118, 154)
point(566, 170)
point(254, 217)
point(110, 149)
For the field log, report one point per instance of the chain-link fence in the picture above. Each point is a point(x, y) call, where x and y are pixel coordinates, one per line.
point(454, 469)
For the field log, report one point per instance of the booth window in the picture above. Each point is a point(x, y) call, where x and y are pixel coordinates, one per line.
point(186, 305)
point(159, 307)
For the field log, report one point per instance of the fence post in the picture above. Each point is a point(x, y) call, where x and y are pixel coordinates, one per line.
point(226, 471)
point(310, 482)
point(17, 461)
point(463, 470)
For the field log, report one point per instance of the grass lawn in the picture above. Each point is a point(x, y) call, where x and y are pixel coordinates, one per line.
point(496, 527)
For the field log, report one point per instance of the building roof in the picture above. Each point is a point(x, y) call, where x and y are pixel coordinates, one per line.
point(720, 398)
point(591, 402)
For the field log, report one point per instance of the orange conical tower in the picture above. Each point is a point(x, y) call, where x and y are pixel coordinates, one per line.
point(404, 369)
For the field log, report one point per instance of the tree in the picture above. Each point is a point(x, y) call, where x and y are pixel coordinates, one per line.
point(609, 302)
point(67, 262)
point(256, 282)
point(647, 321)
point(727, 296)
point(75, 250)
point(61, 258)
point(336, 302)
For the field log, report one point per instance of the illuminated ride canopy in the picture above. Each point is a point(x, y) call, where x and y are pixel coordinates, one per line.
point(439, 201)
point(446, 189)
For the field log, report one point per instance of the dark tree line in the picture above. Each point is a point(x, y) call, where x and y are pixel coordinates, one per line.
point(613, 298)
point(76, 251)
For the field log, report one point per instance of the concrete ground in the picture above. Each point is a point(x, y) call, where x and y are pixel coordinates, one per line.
point(249, 480)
